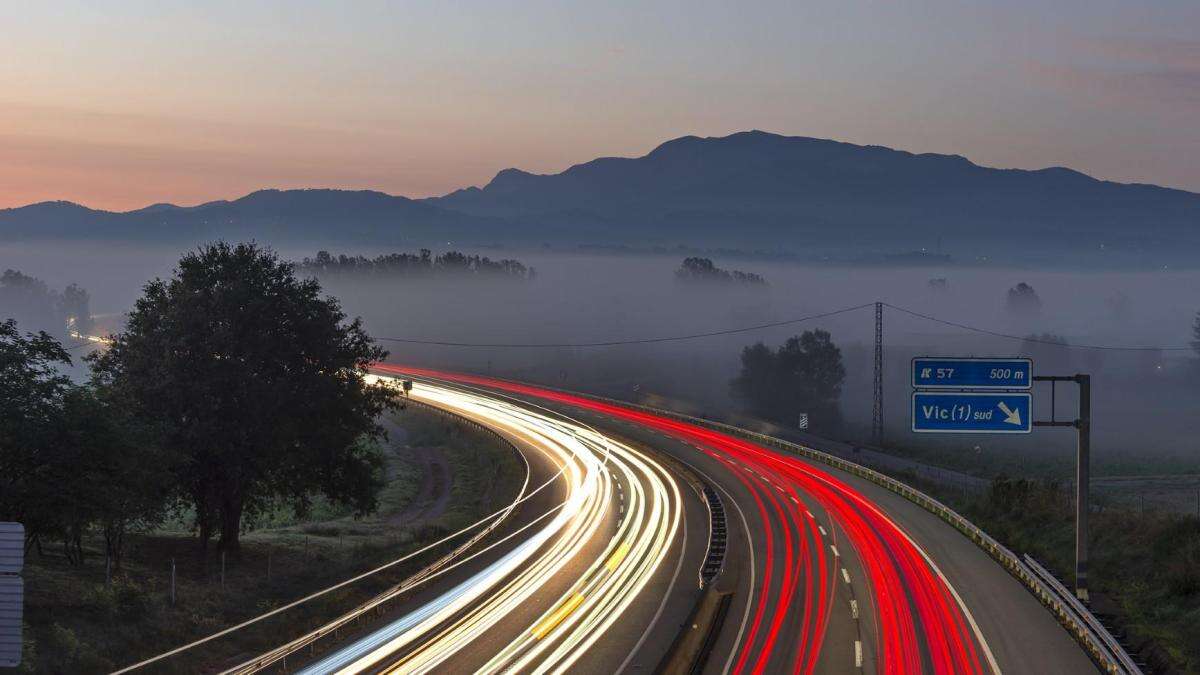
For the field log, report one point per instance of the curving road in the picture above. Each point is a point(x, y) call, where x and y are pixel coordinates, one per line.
point(829, 573)
point(563, 579)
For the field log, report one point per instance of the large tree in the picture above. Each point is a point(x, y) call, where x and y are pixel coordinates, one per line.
point(71, 458)
point(804, 375)
point(257, 381)
point(108, 471)
point(31, 398)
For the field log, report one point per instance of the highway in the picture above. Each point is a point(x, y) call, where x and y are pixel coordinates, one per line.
point(551, 590)
point(829, 573)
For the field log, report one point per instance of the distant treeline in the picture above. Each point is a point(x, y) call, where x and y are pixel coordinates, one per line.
point(422, 263)
point(29, 301)
point(703, 270)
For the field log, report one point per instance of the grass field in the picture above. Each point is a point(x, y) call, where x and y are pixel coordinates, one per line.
point(76, 622)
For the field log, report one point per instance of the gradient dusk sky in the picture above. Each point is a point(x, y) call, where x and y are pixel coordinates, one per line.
point(123, 103)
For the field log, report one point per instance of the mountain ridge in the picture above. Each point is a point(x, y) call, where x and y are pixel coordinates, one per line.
point(773, 191)
point(307, 214)
point(669, 144)
point(752, 190)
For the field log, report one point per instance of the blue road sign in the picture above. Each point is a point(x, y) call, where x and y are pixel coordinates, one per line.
point(947, 373)
point(938, 412)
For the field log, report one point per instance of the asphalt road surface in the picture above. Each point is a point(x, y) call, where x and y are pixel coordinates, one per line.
point(830, 573)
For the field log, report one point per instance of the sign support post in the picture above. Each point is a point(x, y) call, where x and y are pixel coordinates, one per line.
point(1083, 460)
point(946, 399)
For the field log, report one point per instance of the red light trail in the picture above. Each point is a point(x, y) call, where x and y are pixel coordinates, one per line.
point(920, 625)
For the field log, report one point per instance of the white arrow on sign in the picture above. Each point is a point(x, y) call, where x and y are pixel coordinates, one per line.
point(1012, 416)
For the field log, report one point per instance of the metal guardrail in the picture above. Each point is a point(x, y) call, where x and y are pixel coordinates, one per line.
point(1114, 647)
point(376, 605)
point(1079, 622)
point(714, 558)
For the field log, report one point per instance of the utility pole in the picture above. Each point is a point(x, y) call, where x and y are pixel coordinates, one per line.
point(1083, 459)
point(877, 408)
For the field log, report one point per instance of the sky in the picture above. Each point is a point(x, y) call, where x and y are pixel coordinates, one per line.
point(126, 103)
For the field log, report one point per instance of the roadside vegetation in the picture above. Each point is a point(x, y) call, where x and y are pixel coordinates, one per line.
point(234, 406)
point(77, 622)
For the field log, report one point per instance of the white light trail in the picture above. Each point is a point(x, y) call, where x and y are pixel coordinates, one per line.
point(593, 466)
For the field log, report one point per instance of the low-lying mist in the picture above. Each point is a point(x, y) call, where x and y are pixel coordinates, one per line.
point(1146, 404)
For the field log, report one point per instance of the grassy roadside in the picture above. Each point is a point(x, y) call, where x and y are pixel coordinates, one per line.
point(75, 622)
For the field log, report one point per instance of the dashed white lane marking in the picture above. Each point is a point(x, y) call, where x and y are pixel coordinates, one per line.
point(845, 575)
point(795, 501)
point(853, 608)
point(858, 656)
point(810, 515)
point(835, 552)
point(823, 532)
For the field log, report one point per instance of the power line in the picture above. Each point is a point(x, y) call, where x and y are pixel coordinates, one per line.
point(1034, 339)
point(763, 326)
point(642, 341)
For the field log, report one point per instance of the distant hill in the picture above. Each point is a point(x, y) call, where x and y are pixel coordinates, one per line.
point(751, 191)
point(756, 190)
point(360, 216)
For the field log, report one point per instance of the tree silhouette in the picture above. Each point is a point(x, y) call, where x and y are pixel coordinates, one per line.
point(257, 382)
point(422, 263)
point(703, 270)
point(31, 397)
point(33, 304)
point(804, 375)
point(71, 457)
point(1023, 300)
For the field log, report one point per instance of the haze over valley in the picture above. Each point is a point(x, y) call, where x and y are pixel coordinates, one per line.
point(587, 298)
